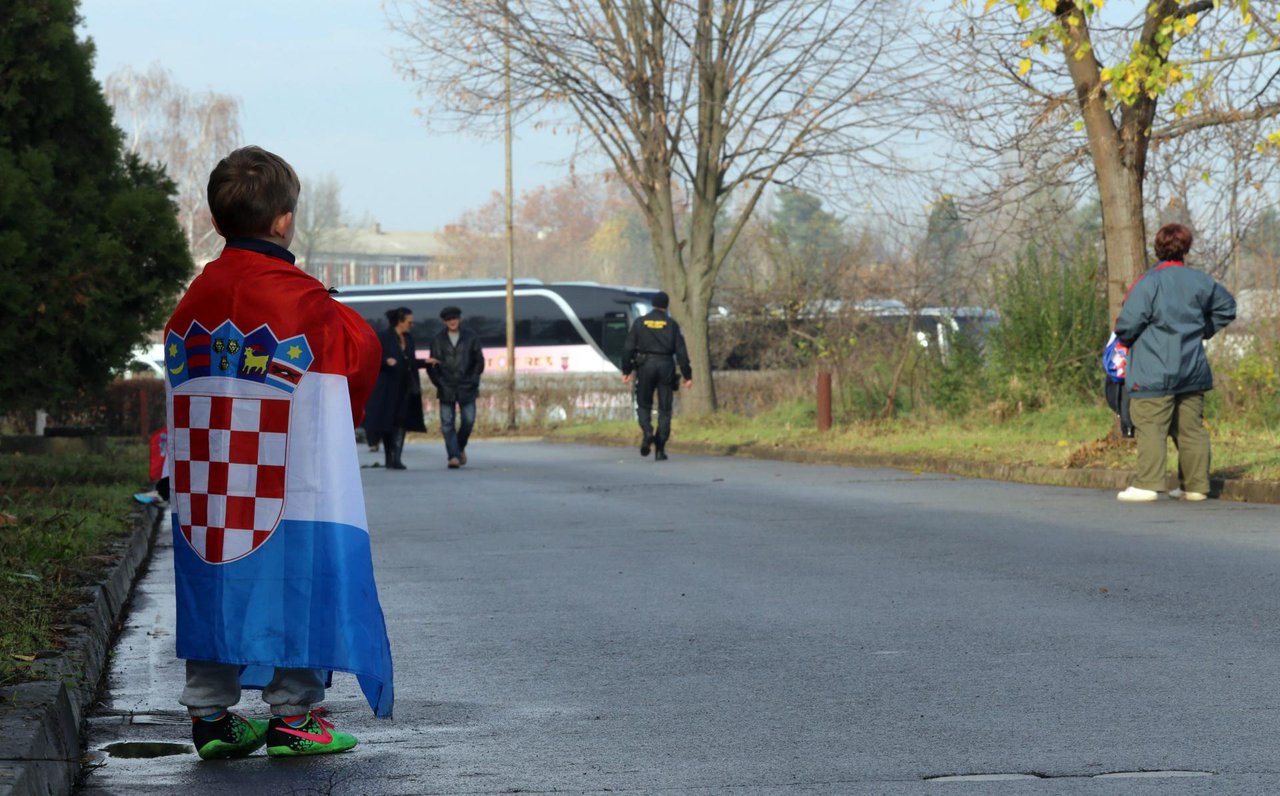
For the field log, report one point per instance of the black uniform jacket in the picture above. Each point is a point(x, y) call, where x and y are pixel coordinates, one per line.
point(656, 335)
point(457, 377)
point(396, 401)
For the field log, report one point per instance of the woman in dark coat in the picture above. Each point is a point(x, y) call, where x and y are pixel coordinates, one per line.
point(1169, 313)
point(396, 403)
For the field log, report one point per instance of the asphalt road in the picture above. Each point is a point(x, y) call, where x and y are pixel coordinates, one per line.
point(578, 619)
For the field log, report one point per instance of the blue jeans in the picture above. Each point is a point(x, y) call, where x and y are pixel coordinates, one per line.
point(456, 435)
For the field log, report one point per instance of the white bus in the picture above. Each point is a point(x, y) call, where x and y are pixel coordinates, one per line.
point(561, 327)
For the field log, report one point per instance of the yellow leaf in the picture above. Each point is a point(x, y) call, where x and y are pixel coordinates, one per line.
point(1062, 443)
point(1024, 66)
point(27, 658)
point(988, 6)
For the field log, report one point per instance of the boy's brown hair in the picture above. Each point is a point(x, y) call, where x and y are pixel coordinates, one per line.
point(249, 189)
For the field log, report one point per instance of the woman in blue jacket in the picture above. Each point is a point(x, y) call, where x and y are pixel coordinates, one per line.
point(1169, 313)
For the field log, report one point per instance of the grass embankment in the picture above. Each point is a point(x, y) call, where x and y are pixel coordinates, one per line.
point(1054, 437)
point(70, 508)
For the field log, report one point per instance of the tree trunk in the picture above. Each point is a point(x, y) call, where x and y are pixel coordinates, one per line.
point(1123, 231)
point(701, 399)
point(1119, 161)
point(690, 302)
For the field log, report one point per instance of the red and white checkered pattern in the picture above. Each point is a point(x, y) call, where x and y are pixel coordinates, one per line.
point(228, 471)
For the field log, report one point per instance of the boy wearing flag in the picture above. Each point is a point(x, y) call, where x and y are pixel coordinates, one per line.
point(267, 376)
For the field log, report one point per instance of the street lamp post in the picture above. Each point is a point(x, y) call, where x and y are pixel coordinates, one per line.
point(511, 240)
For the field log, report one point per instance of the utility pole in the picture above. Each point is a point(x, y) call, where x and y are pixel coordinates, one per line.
point(511, 234)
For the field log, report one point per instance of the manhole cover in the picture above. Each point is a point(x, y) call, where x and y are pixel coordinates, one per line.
point(144, 749)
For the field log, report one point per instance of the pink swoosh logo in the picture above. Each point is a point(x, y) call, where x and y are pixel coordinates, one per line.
point(324, 740)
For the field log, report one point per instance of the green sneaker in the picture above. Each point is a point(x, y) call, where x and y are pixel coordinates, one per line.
point(229, 736)
point(315, 737)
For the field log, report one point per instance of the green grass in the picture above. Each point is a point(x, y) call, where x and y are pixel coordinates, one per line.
point(70, 510)
point(1053, 437)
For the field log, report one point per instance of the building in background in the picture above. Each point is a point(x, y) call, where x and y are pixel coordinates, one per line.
point(373, 256)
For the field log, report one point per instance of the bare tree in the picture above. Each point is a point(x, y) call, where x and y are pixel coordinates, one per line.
point(1219, 181)
point(712, 100)
point(185, 132)
point(1063, 83)
point(320, 225)
point(579, 228)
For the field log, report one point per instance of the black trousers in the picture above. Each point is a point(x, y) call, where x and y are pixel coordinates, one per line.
point(658, 375)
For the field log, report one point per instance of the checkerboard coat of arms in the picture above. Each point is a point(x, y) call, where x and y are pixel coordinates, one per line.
point(229, 432)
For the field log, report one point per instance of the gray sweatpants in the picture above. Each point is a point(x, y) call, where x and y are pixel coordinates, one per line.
point(214, 687)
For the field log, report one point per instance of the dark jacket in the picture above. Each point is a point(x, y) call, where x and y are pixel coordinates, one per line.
point(1169, 313)
point(656, 335)
point(396, 401)
point(457, 377)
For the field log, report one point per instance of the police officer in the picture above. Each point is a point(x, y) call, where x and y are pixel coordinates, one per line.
point(654, 346)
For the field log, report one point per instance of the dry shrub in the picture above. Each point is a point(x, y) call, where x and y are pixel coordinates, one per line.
point(755, 392)
point(544, 402)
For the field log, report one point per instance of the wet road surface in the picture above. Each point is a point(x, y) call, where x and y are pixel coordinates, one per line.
point(581, 620)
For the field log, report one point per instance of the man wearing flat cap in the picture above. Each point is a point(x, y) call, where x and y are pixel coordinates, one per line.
point(653, 349)
point(456, 375)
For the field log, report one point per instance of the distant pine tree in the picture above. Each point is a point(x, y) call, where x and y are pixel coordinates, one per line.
point(91, 256)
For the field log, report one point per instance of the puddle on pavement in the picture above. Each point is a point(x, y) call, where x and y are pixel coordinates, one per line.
point(160, 718)
point(133, 749)
point(1153, 774)
point(993, 777)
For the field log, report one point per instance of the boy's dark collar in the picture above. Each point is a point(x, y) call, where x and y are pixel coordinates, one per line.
point(262, 247)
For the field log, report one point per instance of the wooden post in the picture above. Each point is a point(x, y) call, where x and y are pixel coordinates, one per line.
point(143, 411)
point(824, 401)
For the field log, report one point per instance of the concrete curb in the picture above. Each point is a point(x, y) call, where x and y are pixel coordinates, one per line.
point(1089, 478)
point(41, 721)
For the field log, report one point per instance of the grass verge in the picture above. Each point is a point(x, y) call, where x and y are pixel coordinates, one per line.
point(69, 509)
point(1069, 436)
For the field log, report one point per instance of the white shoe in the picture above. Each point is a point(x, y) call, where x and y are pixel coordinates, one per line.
point(1193, 497)
point(1136, 495)
point(1176, 493)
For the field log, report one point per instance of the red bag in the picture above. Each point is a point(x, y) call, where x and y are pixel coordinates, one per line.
point(159, 451)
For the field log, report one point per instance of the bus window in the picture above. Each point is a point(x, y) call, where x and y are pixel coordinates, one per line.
point(486, 317)
point(547, 324)
point(615, 336)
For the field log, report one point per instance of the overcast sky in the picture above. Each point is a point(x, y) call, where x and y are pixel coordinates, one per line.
point(318, 88)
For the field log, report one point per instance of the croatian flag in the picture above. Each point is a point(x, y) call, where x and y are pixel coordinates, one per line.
point(271, 544)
